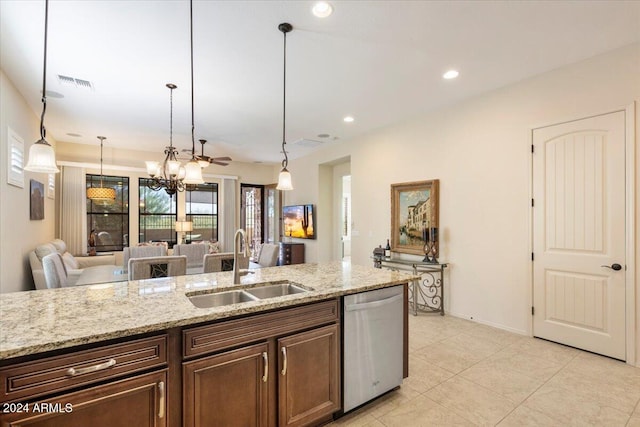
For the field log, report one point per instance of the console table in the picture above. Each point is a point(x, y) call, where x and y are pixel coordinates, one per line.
point(425, 294)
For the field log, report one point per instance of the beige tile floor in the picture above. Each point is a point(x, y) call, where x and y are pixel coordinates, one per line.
point(463, 374)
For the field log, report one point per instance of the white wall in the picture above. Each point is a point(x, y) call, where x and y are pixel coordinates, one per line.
point(18, 234)
point(480, 151)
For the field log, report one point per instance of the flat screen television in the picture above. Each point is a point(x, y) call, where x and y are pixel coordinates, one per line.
point(299, 221)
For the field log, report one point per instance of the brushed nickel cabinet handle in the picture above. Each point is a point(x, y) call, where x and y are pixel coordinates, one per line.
point(72, 372)
point(265, 357)
point(161, 400)
point(284, 361)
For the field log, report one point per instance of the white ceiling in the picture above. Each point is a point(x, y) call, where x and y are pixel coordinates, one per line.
point(380, 61)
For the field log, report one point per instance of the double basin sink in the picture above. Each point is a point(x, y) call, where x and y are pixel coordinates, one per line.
point(256, 293)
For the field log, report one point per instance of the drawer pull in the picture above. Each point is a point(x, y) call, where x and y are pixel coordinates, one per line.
point(265, 356)
point(72, 372)
point(161, 402)
point(284, 361)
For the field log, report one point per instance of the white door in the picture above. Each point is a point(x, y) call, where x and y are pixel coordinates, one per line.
point(579, 234)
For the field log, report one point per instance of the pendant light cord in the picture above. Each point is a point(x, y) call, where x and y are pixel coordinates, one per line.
point(193, 141)
point(101, 138)
point(44, 72)
point(171, 118)
point(285, 161)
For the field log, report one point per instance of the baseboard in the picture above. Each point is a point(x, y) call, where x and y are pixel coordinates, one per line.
point(487, 323)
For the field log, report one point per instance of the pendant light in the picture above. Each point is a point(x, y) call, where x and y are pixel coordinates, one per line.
point(193, 171)
point(284, 179)
point(42, 158)
point(101, 194)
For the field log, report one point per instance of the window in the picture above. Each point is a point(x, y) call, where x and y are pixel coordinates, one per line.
point(251, 208)
point(158, 214)
point(202, 210)
point(110, 221)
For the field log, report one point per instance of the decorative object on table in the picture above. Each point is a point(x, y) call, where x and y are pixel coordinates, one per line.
point(414, 209)
point(299, 221)
point(92, 243)
point(284, 178)
point(378, 255)
point(430, 237)
point(36, 207)
point(42, 157)
point(101, 195)
point(387, 250)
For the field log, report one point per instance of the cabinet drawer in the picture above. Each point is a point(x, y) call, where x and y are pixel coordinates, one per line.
point(231, 333)
point(140, 401)
point(53, 374)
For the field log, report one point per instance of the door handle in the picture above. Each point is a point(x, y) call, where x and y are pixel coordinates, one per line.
point(284, 361)
point(265, 358)
point(615, 267)
point(161, 400)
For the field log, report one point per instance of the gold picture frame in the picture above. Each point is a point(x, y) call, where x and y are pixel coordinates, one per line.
point(414, 217)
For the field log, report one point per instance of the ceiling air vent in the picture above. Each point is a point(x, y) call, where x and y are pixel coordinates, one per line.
point(309, 143)
point(72, 81)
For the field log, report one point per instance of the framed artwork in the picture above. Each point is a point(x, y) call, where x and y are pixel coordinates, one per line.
point(36, 207)
point(414, 217)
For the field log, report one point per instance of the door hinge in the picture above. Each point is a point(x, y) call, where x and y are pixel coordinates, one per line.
point(532, 149)
point(531, 256)
point(532, 203)
point(533, 311)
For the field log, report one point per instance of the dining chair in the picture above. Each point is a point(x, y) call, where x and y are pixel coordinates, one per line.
point(141, 252)
point(223, 262)
point(55, 273)
point(194, 253)
point(154, 267)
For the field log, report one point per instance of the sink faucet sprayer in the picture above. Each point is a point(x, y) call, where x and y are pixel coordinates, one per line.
point(240, 238)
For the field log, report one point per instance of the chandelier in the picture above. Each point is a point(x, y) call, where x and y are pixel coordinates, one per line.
point(170, 175)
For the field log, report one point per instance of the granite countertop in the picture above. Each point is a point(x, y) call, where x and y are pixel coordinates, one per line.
point(38, 321)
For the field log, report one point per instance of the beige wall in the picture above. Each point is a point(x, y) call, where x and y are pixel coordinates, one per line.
point(18, 234)
point(480, 151)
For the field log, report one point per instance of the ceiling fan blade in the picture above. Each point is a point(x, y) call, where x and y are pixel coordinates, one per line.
point(222, 159)
point(219, 163)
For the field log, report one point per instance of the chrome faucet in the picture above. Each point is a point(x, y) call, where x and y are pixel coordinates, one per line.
point(240, 238)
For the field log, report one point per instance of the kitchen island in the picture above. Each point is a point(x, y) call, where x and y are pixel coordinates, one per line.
point(69, 336)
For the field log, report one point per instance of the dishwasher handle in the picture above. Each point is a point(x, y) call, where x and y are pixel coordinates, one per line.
point(373, 304)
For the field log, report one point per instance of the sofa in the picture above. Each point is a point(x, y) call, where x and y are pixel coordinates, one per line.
point(74, 264)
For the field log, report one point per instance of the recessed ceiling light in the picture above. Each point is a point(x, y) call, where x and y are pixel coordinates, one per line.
point(323, 135)
point(322, 9)
point(451, 74)
point(348, 119)
point(75, 135)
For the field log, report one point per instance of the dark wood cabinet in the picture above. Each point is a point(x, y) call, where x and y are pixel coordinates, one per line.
point(139, 401)
point(291, 253)
point(309, 383)
point(230, 388)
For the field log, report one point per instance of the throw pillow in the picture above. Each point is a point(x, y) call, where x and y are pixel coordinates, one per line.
point(70, 262)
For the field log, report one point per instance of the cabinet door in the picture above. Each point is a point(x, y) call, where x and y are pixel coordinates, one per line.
point(138, 401)
point(227, 389)
point(309, 386)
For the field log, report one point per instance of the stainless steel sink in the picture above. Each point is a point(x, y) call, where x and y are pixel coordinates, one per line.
point(275, 290)
point(257, 293)
point(219, 299)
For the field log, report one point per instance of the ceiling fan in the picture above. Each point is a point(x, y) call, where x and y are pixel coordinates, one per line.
point(206, 160)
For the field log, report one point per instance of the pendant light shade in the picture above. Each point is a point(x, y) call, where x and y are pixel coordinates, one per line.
point(101, 194)
point(193, 173)
point(42, 158)
point(284, 179)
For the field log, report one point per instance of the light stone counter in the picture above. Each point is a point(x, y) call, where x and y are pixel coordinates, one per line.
point(39, 321)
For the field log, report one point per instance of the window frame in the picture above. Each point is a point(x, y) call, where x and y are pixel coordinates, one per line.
point(215, 230)
point(142, 231)
point(125, 228)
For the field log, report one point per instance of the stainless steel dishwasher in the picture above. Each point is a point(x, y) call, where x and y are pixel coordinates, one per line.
point(372, 344)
